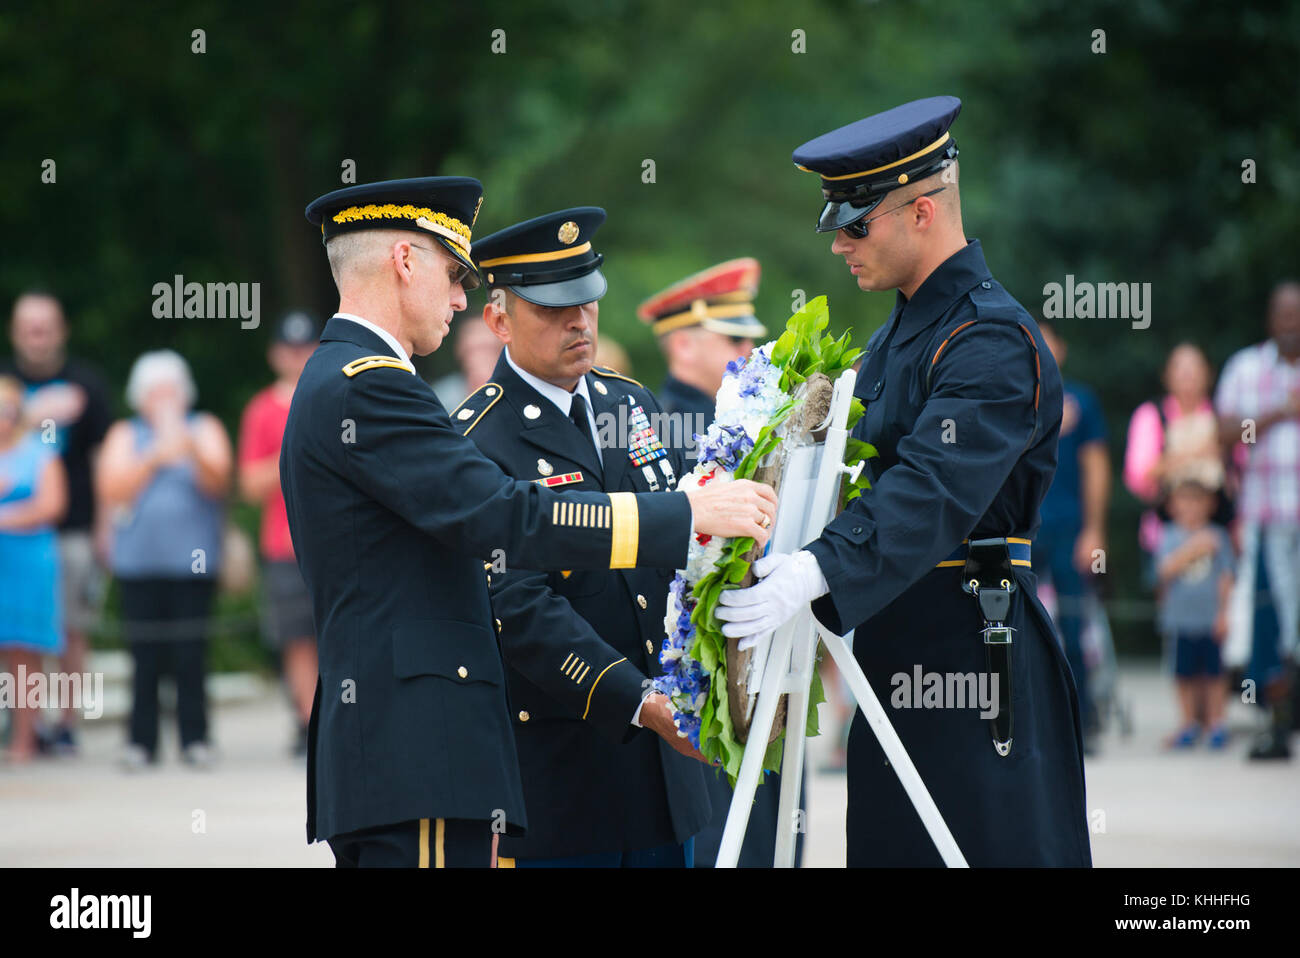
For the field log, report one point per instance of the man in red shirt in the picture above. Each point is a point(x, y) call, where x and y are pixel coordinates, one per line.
point(287, 615)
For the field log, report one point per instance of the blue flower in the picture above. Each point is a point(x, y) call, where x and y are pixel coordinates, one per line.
point(689, 725)
point(725, 445)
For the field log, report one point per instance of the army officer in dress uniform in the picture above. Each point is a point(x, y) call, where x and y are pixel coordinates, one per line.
point(931, 566)
point(702, 323)
point(580, 646)
point(392, 512)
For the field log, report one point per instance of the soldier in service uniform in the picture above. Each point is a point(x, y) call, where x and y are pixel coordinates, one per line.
point(704, 322)
point(931, 566)
point(580, 647)
point(411, 755)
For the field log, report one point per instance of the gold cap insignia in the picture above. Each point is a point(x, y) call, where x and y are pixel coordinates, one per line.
point(568, 232)
point(544, 468)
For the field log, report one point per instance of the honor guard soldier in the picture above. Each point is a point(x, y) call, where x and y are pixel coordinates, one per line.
point(411, 754)
point(580, 647)
point(932, 565)
point(702, 323)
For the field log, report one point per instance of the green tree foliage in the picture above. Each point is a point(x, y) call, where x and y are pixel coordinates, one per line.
point(1117, 166)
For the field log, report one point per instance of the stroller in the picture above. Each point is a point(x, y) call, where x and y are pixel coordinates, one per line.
point(1099, 659)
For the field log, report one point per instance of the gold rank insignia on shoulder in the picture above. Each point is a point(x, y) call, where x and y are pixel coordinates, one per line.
point(611, 374)
point(376, 362)
point(468, 409)
point(550, 482)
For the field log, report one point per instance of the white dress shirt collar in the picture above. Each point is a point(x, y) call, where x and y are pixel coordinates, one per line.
point(383, 334)
point(562, 399)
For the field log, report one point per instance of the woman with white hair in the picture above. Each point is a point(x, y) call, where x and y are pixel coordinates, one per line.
point(162, 476)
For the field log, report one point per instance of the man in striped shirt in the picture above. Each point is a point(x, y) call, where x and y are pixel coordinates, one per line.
point(1258, 402)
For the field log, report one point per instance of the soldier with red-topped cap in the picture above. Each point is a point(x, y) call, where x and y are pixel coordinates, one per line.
point(702, 323)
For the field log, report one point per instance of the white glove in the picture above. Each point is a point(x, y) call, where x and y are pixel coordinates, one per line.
point(789, 583)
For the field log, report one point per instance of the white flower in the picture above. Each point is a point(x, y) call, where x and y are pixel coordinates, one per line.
point(762, 381)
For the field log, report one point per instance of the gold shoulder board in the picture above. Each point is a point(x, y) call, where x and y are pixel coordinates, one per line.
point(610, 374)
point(467, 415)
point(375, 362)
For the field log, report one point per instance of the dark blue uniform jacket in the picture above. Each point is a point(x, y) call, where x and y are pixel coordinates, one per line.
point(963, 402)
point(393, 515)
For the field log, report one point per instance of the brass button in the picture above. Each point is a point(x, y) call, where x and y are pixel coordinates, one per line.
point(640, 600)
point(489, 581)
point(463, 672)
point(523, 716)
point(649, 647)
point(498, 621)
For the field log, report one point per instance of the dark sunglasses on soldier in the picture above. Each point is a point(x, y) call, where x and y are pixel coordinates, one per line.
point(858, 228)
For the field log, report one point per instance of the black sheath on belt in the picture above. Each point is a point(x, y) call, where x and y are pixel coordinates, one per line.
point(989, 577)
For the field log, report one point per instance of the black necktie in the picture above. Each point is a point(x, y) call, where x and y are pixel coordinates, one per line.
point(578, 414)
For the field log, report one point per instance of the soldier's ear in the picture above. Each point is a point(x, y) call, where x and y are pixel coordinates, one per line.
point(495, 316)
point(401, 255)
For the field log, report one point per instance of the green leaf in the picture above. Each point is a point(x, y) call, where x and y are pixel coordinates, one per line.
point(856, 412)
point(784, 347)
point(816, 695)
point(775, 749)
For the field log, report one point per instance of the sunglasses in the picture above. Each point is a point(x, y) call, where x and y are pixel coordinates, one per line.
point(461, 274)
point(858, 228)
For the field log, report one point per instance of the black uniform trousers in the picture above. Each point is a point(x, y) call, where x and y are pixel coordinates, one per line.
point(422, 843)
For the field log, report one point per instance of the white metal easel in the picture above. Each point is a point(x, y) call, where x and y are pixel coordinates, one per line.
point(784, 661)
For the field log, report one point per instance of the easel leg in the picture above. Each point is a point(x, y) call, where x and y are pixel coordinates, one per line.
point(796, 739)
point(751, 766)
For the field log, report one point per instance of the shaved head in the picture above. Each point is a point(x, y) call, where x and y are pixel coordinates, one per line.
point(356, 257)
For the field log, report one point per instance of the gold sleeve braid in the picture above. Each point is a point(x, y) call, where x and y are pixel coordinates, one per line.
point(626, 532)
point(621, 516)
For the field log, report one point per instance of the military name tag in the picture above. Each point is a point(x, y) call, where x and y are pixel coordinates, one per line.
point(550, 482)
point(643, 444)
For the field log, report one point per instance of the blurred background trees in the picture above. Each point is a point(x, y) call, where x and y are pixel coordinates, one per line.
point(1122, 166)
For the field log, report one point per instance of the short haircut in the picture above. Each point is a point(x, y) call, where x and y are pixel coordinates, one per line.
point(158, 366)
point(352, 252)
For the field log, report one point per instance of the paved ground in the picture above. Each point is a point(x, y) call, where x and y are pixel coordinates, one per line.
point(1159, 809)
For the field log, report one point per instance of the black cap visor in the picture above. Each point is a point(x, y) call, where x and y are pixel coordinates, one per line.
point(586, 288)
point(837, 215)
